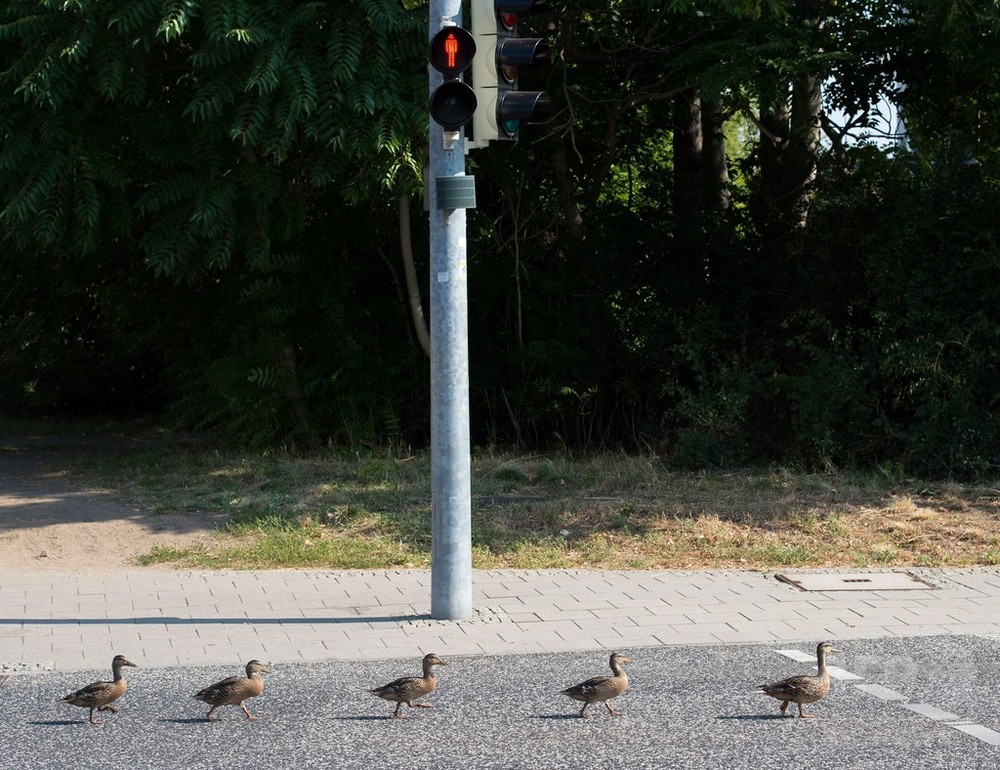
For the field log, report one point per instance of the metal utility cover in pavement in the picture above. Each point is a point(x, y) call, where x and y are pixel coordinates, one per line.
point(856, 581)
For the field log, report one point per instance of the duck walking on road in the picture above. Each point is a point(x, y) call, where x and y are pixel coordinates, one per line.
point(235, 689)
point(601, 689)
point(99, 696)
point(803, 689)
point(409, 688)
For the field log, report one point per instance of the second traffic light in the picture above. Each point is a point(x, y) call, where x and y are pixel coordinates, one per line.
point(502, 107)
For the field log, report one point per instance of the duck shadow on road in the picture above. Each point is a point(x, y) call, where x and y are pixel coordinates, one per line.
point(57, 722)
point(188, 721)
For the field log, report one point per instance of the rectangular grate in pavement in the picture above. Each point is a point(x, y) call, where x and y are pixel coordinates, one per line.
point(856, 581)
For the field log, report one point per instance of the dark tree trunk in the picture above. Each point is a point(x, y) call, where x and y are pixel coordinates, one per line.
point(289, 368)
point(790, 128)
point(788, 153)
point(715, 172)
point(804, 144)
point(774, 127)
point(410, 271)
point(567, 191)
point(688, 161)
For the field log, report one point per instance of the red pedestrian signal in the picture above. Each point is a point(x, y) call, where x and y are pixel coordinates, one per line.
point(451, 52)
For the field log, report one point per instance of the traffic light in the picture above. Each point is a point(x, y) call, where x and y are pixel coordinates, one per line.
point(451, 52)
point(502, 107)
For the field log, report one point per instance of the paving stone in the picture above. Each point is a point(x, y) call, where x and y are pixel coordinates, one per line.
point(194, 616)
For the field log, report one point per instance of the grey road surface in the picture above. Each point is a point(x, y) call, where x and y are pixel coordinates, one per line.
point(929, 702)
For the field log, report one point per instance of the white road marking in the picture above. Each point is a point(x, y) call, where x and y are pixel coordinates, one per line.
point(798, 655)
point(836, 672)
point(883, 693)
point(932, 712)
point(985, 734)
point(980, 732)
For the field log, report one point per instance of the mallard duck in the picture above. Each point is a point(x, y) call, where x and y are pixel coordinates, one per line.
point(233, 690)
point(804, 688)
point(408, 688)
point(100, 695)
point(601, 689)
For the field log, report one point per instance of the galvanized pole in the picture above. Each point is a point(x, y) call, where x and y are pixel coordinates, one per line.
point(451, 474)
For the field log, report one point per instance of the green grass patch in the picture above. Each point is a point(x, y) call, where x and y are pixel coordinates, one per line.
point(160, 554)
point(782, 554)
point(334, 510)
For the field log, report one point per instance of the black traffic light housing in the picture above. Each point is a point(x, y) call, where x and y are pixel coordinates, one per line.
point(451, 52)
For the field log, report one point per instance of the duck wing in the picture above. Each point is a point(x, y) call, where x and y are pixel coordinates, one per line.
point(228, 687)
point(596, 685)
point(795, 686)
point(404, 687)
point(96, 693)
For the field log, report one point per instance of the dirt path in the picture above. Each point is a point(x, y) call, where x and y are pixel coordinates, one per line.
point(50, 524)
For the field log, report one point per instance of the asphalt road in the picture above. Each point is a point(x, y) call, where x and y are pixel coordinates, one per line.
point(688, 707)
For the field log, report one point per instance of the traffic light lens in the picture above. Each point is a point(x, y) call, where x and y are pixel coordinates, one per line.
point(451, 51)
point(515, 52)
point(453, 104)
point(509, 20)
point(513, 107)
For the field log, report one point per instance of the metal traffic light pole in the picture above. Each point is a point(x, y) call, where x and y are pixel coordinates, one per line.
point(451, 472)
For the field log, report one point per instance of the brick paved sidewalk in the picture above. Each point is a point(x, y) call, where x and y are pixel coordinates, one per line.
point(166, 618)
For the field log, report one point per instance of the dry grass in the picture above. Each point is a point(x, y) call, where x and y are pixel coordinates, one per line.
point(610, 511)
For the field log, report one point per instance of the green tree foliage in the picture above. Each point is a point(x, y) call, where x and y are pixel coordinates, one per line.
point(224, 146)
point(200, 125)
point(740, 343)
point(198, 213)
point(946, 67)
